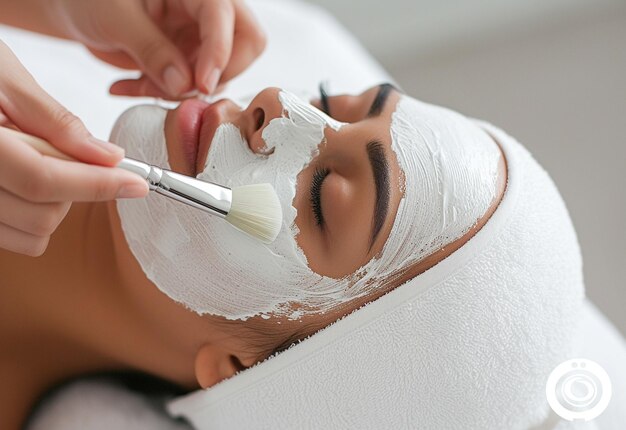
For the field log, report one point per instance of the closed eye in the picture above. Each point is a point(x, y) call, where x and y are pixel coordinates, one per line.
point(316, 195)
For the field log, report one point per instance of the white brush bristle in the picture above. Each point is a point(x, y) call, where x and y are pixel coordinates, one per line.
point(256, 210)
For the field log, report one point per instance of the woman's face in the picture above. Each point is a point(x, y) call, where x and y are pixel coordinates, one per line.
point(346, 197)
point(383, 165)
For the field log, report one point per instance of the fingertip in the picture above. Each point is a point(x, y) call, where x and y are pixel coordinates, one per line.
point(128, 178)
point(116, 88)
point(127, 87)
point(176, 80)
point(133, 190)
point(212, 80)
point(142, 87)
point(220, 88)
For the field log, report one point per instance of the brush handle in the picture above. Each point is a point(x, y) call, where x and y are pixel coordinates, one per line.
point(206, 196)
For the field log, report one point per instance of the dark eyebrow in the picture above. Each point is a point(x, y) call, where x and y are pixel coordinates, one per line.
point(380, 169)
point(381, 98)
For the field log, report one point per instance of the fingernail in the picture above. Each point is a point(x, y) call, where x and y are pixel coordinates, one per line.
point(107, 146)
point(174, 80)
point(132, 191)
point(191, 94)
point(211, 82)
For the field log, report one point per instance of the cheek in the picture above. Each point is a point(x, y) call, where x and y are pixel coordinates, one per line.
point(310, 238)
point(329, 252)
point(338, 202)
point(304, 217)
point(347, 208)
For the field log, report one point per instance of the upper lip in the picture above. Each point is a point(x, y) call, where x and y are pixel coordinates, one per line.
point(210, 121)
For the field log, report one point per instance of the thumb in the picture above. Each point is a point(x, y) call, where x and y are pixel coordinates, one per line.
point(157, 56)
point(34, 111)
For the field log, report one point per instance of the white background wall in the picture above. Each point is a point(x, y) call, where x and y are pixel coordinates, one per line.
point(551, 73)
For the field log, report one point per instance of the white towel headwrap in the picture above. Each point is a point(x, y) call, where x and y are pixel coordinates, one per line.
point(467, 344)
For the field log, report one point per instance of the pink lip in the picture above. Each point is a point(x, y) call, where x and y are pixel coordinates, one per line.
point(196, 122)
point(211, 120)
point(189, 122)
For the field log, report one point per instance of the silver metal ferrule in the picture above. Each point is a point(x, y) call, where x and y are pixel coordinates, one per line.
point(213, 198)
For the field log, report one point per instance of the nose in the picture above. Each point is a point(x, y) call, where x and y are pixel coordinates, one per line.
point(264, 107)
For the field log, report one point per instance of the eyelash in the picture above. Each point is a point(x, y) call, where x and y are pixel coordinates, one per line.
point(324, 99)
point(316, 188)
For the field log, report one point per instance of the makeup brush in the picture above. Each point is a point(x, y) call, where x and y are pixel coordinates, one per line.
point(253, 209)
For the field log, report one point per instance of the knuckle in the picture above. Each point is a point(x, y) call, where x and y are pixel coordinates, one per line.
point(67, 122)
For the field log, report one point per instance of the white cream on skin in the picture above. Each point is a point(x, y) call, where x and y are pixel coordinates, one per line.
point(450, 172)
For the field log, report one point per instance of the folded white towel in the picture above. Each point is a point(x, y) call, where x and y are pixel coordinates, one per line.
point(97, 403)
point(469, 344)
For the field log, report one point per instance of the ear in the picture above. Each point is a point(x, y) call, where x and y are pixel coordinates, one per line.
point(214, 364)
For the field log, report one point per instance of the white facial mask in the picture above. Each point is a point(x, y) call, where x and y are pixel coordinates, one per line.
point(450, 169)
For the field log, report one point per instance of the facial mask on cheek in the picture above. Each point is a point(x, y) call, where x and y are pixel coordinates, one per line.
point(210, 267)
point(203, 262)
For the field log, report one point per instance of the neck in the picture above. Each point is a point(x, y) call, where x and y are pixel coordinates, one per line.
point(121, 323)
point(70, 313)
point(50, 306)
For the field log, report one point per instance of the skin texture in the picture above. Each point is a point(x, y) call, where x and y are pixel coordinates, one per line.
point(87, 306)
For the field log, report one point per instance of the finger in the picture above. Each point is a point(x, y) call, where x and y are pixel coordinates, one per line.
point(140, 87)
point(157, 56)
point(248, 43)
point(117, 58)
point(38, 219)
point(216, 19)
point(37, 178)
point(220, 89)
point(144, 87)
point(34, 111)
point(23, 243)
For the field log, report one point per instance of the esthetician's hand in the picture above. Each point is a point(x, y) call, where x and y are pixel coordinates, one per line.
point(178, 45)
point(36, 191)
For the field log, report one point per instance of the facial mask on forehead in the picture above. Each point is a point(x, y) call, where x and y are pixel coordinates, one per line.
point(450, 172)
